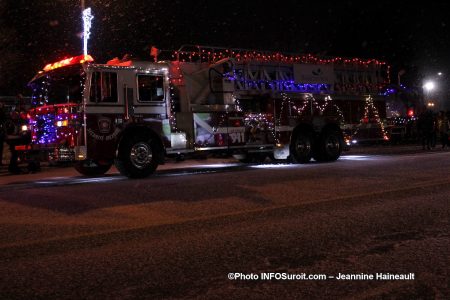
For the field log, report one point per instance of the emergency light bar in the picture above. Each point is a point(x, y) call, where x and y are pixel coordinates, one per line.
point(69, 61)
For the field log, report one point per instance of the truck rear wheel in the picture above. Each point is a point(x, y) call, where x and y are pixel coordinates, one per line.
point(136, 157)
point(91, 168)
point(301, 147)
point(329, 146)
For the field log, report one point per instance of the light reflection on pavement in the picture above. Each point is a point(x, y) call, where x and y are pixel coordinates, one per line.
point(189, 167)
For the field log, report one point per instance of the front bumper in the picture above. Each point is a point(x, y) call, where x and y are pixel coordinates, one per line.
point(49, 152)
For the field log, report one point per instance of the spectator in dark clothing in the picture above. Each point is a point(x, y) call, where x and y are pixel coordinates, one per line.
point(13, 139)
point(2, 130)
point(426, 126)
point(443, 127)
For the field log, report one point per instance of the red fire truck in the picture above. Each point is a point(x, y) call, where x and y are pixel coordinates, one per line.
point(252, 104)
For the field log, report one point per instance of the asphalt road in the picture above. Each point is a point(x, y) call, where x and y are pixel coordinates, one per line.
point(181, 233)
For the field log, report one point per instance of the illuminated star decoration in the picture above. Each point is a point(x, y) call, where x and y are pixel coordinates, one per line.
point(87, 23)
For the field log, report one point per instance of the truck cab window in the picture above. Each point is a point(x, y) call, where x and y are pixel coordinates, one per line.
point(103, 87)
point(150, 88)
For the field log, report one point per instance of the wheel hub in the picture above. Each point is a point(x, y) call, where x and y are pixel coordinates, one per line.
point(302, 146)
point(332, 144)
point(141, 155)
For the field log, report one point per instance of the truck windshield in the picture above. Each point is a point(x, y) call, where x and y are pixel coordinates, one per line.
point(59, 86)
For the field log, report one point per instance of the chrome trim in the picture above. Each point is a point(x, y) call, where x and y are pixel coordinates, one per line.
point(209, 148)
point(175, 151)
point(253, 146)
point(119, 109)
point(125, 96)
point(141, 155)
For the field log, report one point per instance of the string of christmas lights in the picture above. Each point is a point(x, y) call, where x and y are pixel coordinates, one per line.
point(260, 121)
point(49, 121)
point(50, 124)
point(173, 108)
point(280, 85)
point(213, 55)
point(320, 108)
point(369, 106)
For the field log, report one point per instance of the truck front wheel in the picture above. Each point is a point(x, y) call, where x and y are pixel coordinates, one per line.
point(137, 156)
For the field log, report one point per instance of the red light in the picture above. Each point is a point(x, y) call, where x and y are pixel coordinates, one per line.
point(410, 112)
point(69, 61)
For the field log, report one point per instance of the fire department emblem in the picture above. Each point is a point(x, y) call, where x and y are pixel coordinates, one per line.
point(104, 125)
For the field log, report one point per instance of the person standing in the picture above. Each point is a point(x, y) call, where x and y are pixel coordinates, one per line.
point(13, 139)
point(2, 130)
point(443, 127)
point(426, 129)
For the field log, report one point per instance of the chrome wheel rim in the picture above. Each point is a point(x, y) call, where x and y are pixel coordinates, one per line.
point(332, 144)
point(141, 155)
point(302, 146)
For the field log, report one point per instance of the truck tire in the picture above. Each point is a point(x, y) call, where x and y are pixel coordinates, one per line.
point(91, 168)
point(136, 157)
point(301, 147)
point(329, 146)
point(34, 166)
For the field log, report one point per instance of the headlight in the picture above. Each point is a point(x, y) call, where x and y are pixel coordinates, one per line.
point(24, 128)
point(62, 123)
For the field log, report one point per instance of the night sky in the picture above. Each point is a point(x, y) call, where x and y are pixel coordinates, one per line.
point(409, 36)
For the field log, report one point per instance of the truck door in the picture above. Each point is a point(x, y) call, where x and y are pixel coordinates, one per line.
point(104, 113)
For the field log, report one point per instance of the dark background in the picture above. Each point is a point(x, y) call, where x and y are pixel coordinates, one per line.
point(409, 36)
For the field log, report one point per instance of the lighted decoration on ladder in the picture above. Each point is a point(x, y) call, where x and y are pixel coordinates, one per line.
point(87, 23)
point(328, 104)
point(370, 106)
point(309, 102)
